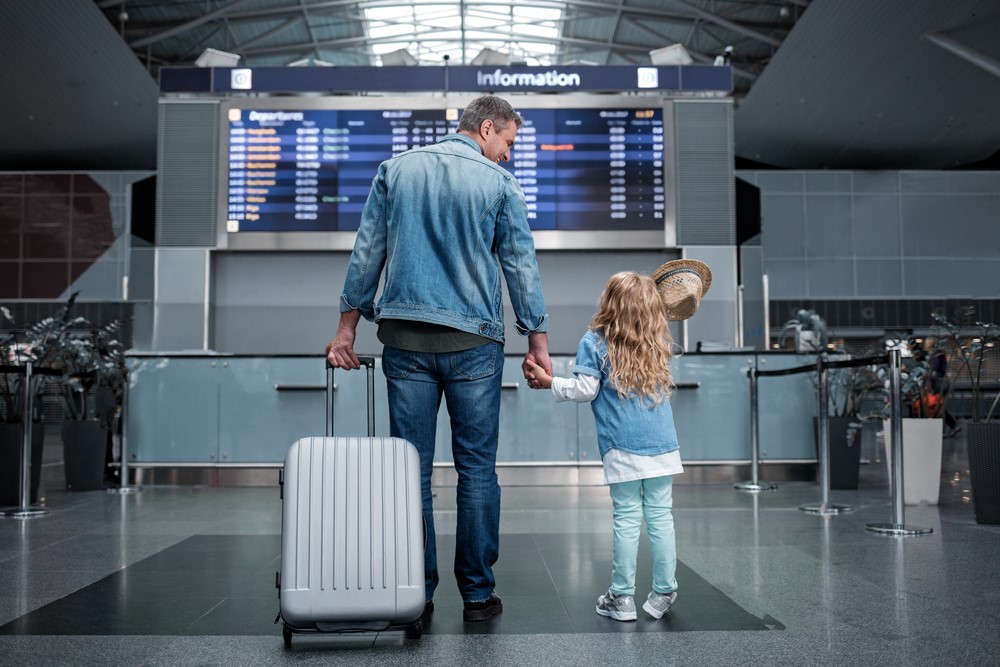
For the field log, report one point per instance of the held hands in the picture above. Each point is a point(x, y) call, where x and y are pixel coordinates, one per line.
point(537, 376)
point(537, 356)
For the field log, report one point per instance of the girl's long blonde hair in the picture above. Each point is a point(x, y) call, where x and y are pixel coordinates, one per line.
point(633, 324)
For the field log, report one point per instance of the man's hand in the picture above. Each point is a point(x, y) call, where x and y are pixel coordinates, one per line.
point(538, 354)
point(340, 350)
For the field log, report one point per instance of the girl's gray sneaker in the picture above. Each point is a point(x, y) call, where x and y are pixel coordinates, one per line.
point(658, 604)
point(618, 607)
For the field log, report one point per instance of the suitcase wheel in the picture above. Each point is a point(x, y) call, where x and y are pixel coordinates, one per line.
point(414, 631)
point(286, 634)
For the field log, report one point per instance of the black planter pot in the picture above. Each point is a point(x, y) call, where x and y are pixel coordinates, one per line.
point(10, 462)
point(84, 451)
point(984, 469)
point(845, 452)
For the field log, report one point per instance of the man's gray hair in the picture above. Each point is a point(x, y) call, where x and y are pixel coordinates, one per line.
point(488, 107)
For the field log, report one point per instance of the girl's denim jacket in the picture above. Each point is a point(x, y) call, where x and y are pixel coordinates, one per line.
point(632, 425)
point(443, 221)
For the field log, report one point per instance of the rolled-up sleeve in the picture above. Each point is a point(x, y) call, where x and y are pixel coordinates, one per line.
point(368, 256)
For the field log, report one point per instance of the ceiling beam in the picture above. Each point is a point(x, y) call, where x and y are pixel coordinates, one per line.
point(434, 36)
point(731, 25)
point(292, 20)
point(197, 48)
point(312, 35)
point(327, 5)
point(596, 8)
point(614, 31)
point(967, 54)
point(697, 56)
point(187, 25)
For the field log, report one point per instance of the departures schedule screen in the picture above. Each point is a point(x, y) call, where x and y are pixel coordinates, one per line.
point(311, 170)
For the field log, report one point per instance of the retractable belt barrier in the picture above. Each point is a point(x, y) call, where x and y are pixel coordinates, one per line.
point(825, 508)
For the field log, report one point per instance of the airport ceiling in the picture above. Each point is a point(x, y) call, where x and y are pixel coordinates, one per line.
point(819, 84)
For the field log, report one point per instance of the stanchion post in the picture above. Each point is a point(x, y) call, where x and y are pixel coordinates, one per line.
point(823, 424)
point(25, 472)
point(896, 422)
point(823, 445)
point(754, 484)
point(24, 510)
point(898, 526)
point(123, 485)
point(25, 476)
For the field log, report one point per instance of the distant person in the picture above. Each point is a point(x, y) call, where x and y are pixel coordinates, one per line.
point(442, 223)
point(623, 369)
point(931, 402)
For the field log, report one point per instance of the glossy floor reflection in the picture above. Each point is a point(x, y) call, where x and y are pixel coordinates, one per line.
point(185, 576)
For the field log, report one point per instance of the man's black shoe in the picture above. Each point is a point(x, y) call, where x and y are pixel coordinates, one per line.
point(428, 610)
point(483, 611)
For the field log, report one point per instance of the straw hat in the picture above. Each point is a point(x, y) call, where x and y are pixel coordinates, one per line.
point(682, 283)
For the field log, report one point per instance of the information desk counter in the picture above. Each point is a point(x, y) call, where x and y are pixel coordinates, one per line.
point(214, 410)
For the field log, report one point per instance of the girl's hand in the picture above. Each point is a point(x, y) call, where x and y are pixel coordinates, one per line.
point(538, 374)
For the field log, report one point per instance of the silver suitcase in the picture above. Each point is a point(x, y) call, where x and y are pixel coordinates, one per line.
point(352, 538)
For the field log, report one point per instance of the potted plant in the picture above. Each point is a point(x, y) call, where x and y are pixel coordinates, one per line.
point(10, 379)
point(91, 361)
point(974, 348)
point(16, 349)
point(848, 392)
point(91, 391)
point(90, 365)
point(921, 421)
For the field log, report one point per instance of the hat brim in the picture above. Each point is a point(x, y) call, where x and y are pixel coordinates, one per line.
point(682, 283)
point(701, 268)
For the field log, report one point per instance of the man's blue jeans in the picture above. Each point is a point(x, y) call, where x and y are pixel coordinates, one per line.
point(470, 381)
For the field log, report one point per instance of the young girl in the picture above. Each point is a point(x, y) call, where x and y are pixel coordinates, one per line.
point(623, 369)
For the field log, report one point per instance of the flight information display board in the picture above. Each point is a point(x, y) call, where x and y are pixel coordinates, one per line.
point(591, 169)
point(311, 170)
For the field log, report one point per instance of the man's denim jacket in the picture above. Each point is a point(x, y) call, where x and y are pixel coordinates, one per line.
point(443, 221)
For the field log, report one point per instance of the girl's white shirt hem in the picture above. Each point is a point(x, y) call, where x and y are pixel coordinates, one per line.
point(619, 466)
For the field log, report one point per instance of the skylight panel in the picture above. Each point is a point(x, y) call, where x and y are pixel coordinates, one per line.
point(388, 13)
point(431, 29)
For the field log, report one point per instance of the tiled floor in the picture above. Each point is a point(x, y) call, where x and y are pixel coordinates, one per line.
point(185, 576)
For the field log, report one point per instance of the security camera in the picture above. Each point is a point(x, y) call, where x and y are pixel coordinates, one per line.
point(723, 58)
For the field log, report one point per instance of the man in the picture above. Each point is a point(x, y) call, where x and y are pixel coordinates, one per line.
point(442, 221)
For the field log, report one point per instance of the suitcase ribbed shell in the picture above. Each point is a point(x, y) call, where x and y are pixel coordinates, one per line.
point(351, 532)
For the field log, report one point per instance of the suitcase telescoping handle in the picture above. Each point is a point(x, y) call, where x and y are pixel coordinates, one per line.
point(368, 363)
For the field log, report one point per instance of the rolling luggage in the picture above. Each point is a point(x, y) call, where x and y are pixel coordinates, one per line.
point(352, 538)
